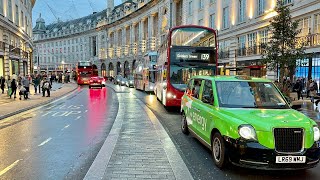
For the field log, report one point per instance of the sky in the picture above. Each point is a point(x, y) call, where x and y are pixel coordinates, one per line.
point(66, 9)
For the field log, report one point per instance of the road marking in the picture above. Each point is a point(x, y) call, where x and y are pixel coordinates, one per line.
point(78, 117)
point(65, 127)
point(45, 142)
point(9, 167)
point(86, 111)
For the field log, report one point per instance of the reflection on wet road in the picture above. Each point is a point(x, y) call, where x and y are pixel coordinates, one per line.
point(59, 140)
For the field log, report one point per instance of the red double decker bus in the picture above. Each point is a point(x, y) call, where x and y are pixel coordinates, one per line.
point(188, 51)
point(84, 72)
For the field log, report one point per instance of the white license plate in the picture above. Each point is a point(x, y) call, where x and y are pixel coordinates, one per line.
point(290, 159)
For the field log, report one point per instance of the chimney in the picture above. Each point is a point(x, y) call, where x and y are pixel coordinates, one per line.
point(110, 6)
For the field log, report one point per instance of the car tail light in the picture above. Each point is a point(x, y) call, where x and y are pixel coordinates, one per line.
point(99, 81)
point(91, 81)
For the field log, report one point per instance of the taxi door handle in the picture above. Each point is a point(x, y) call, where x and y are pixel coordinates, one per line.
point(196, 109)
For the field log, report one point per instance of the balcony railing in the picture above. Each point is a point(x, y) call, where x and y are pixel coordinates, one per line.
point(134, 48)
point(142, 46)
point(310, 40)
point(152, 43)
point(250, 51)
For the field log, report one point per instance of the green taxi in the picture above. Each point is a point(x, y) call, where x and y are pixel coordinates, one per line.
point(248, 122)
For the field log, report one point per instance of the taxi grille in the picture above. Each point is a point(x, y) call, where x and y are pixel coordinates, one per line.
point(288, 140)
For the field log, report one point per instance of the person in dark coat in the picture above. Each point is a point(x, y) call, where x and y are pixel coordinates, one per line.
point(13, 88)
point(2, 83)
point(298, 88)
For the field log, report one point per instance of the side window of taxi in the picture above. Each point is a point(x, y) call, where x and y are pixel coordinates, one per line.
point(196, 88)
point(207, 93)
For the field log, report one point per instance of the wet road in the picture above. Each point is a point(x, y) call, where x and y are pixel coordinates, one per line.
point(59, 140)
point(198, 158)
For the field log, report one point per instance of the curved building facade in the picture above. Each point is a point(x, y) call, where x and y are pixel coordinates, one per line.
point(117, 38)
point(15, 37)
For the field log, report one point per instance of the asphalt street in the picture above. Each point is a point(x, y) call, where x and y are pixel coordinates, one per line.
point(59, 140)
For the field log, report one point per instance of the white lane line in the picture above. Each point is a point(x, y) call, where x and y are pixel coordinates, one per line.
point(10, 167)
point(78, 117)
point(65, 127)
point(45, 142)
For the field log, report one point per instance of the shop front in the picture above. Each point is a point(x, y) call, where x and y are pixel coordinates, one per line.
point(14, 67)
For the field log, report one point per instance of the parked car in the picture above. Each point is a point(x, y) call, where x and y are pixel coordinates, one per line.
point(117, 79)
point(123, 81)
point(130, 81)
point(248, 122)
point(96, 82)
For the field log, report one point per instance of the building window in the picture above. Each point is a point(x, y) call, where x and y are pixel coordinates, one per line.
point(286, 2)
point(212, 20)
point(261, 7)
point(304, 25)
point(17, 16)
point(242, 41)
point(242, 10)
point(263, 36)
point(10, 9)
point(252, 39)
point(201, 4)
point(225, 15)
point(317, 23)
point(1, 7)
point(190, 8)
point(22, 19)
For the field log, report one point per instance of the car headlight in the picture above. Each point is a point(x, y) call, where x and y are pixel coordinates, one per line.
point(247, 132)
point(316, 133)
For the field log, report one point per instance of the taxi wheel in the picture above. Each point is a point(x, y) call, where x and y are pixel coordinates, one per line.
point(184, 125)
point(219, 154)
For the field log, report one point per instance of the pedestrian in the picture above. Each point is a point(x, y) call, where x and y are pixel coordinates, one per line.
point(36, 83)
point(22, 91)
point(13, 86)
point(2, 83)
point(46, 86)
point(26, 85)
point(312, 91)
point(298, 88)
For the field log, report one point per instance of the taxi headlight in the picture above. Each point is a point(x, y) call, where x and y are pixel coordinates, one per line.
point(316, 133)
point(247, 132)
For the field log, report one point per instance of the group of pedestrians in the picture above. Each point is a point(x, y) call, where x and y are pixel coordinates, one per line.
point(310, 88)
point(21, 85)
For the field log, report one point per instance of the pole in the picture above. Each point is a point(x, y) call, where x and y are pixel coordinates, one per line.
point(170, 23)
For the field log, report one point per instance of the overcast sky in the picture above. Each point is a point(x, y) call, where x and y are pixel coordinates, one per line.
point(66, 9)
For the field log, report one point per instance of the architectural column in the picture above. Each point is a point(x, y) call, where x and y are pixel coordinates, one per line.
point(21, 60)
point(6, 54)
point(173, 14)
point(124, 37)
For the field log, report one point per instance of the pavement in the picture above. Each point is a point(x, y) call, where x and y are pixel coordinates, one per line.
point(137, 147)
point(13, 106)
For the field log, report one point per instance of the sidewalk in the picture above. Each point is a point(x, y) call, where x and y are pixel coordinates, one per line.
point(13, 106)
point(137, 146)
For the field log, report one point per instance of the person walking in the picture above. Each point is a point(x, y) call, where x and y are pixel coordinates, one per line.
point(2, 84)
point(26, 85)
point(298, 88)
point(36, 83)
point(312, 91)
point(13, 86)
point(46, 86)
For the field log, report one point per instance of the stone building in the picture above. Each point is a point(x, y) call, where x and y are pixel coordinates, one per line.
point(121, 35)
point(15, 37)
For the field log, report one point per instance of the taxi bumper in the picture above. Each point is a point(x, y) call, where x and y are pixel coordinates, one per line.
point(254, 155)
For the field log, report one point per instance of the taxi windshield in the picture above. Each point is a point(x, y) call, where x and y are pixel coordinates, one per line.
point(245, 94)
